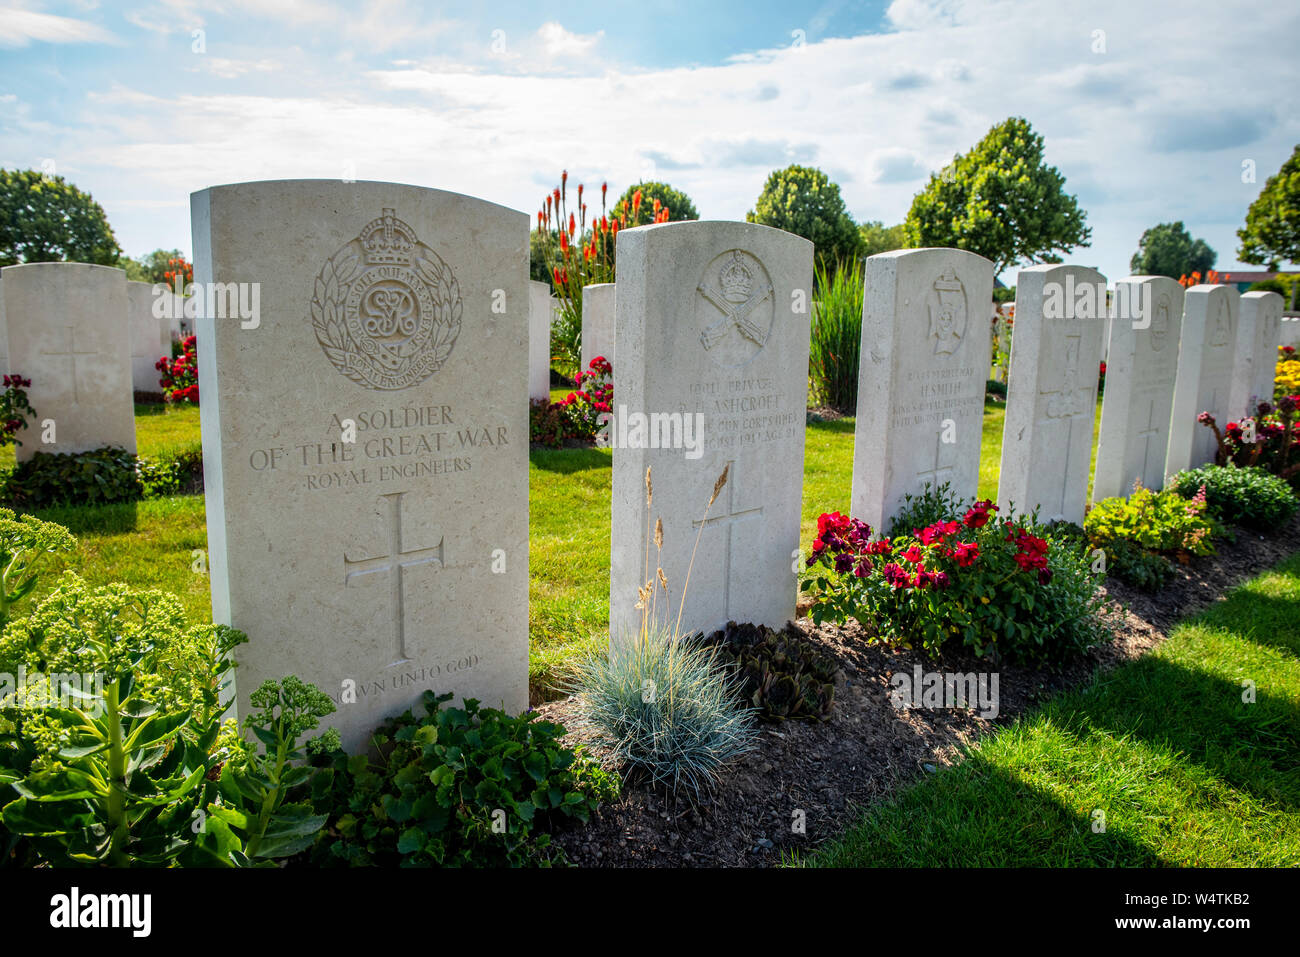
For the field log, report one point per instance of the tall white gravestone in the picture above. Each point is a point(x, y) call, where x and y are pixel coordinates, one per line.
point(4, 335)
point(713, 329)
point(365, 441)
point(1205, 360)
point(1255, 365)
point(1052, 396)
point(598, 304)
point(68, 333)
point(150, 340)
point(539, 340)
point(921, 380)
point(1142, 364)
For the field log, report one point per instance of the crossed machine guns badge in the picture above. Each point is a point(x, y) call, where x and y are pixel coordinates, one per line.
point(737, 301)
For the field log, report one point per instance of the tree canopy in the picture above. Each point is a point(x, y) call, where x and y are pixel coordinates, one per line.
point(1000, 200)
point(803, 200)
point(47, 219)
point(1168, 249)
point(1272, 231)
point(679, 204)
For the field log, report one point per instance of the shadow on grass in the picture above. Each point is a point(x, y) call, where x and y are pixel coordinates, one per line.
point(1182, 711)
point(568, 461)
point(79, 519)
point(976, 814)
point(838, 426)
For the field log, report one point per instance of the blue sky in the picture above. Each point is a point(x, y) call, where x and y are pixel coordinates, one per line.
point(1151, 110)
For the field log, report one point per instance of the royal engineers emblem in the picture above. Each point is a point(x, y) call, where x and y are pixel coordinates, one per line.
point(947, 314)
point(735, 308)
point(1160, 324)
point(386, 308)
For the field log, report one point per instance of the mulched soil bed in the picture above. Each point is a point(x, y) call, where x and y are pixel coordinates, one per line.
point(868, 749)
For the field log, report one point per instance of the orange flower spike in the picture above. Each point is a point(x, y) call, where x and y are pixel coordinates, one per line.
point(573, 225)
point(580, 192)
point(636, 201)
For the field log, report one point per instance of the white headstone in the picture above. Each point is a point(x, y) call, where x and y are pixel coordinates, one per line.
point(1204, 384)
point(365, 441)
point(4, 335)
point(713, 329)
point(1255, 366)
point(1052, 397)
point(540, 308)
point(1141, 366)
point(68, 333)
point(598, 324)
point(149, 338)
point(921, 381)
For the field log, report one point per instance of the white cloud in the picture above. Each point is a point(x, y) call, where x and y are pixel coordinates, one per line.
point(19, 28)
point(558, 42)
point(1147, 132)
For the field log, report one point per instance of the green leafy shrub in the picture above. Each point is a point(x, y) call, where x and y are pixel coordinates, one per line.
point(1162, 522)
point(1140, 534)
point(455, 787)
point(1250, 497)
point(254, 819)
point(101, 477)
point(1133, 564)
point(782, 674)
point(936, 503)
point(837, 337)
point(985, 581)
point(25, 541)
point(105, 759)
point(666, 706)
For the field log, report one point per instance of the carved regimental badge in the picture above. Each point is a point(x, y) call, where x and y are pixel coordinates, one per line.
point(947, 304)
point(1222, 329)
point(386, 308)
point(1160, 324)
point(735, 307)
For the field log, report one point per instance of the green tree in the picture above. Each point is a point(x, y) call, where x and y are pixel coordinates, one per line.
point(804, 201)
point(47, 219)
point(1272, 231)
point(879, 238)
point(1169, 250)
point(679, 204)
point(1000, 200)
point(153, 267)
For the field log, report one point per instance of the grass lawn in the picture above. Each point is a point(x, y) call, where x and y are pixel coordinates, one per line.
point(1185, 773)
point(150, 543)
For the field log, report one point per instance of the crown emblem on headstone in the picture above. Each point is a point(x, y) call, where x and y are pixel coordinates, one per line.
point(386, 308)
point(388, 240)
point(736, 278)
point(948, 282)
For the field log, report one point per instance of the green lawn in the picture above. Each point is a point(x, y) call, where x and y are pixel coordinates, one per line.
point(151, 543)
point(1185, 773)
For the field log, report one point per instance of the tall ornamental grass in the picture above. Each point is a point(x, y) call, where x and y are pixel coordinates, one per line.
point(665, 704)
point(837, 337)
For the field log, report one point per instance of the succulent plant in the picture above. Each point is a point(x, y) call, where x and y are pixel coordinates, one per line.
point(781, 674)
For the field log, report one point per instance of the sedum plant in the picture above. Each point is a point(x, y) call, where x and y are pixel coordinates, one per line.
point(253, 821)
point(781, 674)
point(25, 544)
point(106, 762)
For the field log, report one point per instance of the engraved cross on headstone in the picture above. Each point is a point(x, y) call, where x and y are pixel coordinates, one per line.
point(1146, 435)
point(72, 354)
point(728, 521)
point(932, 475)
point(394, 564)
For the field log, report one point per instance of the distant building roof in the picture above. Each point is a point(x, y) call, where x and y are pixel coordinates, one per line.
point(1257, 276)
